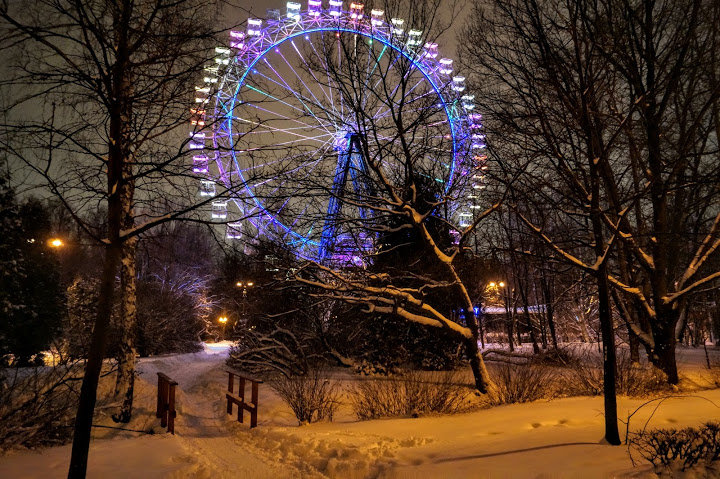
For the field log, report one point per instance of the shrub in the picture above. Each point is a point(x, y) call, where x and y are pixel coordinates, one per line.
point(37, 405)
point(311, 397)
point(411, 394)
point(519, 383)
point(585, 376)
point(683, 449)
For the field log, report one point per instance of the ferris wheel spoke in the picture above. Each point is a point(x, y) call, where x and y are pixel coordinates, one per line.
point(310, 70)
point(318, 103)
point(307, 154)
point(387, 111)
point(290, 142)
point(279, 115)
point(258, 90)
point(307, 203)
point(327, 71)
point(304, 112)
point(370, 73)
point(272, 129)
point(264, 182)
point(294, 93)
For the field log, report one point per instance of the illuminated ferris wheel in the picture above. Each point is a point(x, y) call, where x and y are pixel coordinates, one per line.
point(301, 113)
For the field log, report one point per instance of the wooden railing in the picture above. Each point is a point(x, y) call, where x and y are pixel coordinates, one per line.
point(166, 402)
point(239, 399)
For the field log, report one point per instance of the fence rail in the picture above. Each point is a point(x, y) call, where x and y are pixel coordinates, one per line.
point(166, 402)
point(239, 398)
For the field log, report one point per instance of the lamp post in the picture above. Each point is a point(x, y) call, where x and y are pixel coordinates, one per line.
point(245, 285)
point(223, 320)
point(492, 288)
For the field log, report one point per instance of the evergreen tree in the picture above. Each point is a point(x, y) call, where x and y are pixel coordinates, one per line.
point(30, 293)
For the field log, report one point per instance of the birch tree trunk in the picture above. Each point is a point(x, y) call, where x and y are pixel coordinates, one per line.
point(125, 382)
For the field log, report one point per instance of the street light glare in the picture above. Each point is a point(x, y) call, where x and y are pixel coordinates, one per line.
point(492, 284)
point(502, 284)
point(250, 283)
point(239, 284)
point(56, 243)
point(223, 319)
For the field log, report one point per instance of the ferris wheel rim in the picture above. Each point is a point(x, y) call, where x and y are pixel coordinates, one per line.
point(333, 29)
point(462, 121)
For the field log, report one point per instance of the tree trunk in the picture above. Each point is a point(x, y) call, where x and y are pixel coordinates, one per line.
point(663, 356)
point(483, 382)
point(125, 383)
point(609, 359)
point(634, 344)
point(88, 390)
point(509, 322)
point(120, 119)
point(547, 291)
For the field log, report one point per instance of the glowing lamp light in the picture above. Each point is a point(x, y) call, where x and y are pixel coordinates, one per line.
point(376, 17)
point(314, 7)
point(233, 231)
point(223, 319)
point(293, 11)
point(414, 38)
point(335, 8)
point(356, 10)
point(501, 284)
point(431, 50)
point(492, 284)
point(397, 26)
point(458, 83)
point(446, 67)
point(254, 27)
point(56, 243)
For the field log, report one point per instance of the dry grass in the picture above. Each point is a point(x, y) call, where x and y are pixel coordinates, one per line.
point(311, 397)
point(411, 394)
point(522, 383)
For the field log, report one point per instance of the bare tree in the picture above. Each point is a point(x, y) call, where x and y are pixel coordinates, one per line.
point(102, 91)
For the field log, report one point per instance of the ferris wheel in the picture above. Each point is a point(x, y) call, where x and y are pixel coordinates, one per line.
point(301, 113)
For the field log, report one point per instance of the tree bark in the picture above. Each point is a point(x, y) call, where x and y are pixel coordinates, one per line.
point(483, 382)
point(125, 382)
point(88, 390)
point(663, 356)
point(609, 359)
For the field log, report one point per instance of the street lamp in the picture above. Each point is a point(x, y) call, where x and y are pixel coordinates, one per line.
point(244, 285)
point(223, 320)
point(56, 243)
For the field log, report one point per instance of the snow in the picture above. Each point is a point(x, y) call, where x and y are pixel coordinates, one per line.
point(558, 438)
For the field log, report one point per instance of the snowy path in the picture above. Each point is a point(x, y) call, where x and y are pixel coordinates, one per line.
point(213, 446)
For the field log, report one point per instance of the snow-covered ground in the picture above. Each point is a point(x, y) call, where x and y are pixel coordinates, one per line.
point(558, 438)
